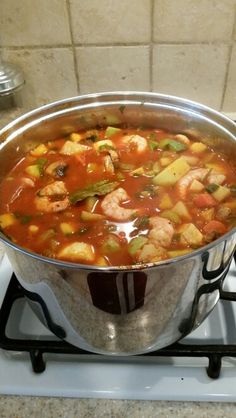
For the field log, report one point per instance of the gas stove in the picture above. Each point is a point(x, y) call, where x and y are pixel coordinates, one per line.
point(29, 368)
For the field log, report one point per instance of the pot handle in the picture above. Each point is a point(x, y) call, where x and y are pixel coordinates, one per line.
point(224, 295)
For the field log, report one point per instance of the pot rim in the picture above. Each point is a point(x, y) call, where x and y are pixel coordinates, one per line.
point(125, 97)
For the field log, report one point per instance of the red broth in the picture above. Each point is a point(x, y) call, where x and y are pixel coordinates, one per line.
point(141, 196)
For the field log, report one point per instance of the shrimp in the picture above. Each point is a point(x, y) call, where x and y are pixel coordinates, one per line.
point(149, 253)
point(43, 202)
point(161, 232)
point(138, 141)
point(159, 236)
point(182, 138)
point(111, 208)
point(108, 164)
point(185, 181)
point(52, 189)
point(27, 182)
point(216, 178)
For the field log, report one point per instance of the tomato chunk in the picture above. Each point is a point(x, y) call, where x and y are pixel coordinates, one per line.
point(204, 200)
point(215, 226)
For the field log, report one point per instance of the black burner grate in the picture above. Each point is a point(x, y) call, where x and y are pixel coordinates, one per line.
point(37, 348)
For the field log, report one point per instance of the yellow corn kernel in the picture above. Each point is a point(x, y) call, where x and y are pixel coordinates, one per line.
point(75, 137)
point(33, 228)
point(198, 147)
point(164, 161)
point(101, 261)
point(166, 202)
point(39, 150)
point(67, 228)
point(7, 219)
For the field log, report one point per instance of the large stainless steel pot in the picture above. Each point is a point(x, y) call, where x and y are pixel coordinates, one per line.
point(121, 310)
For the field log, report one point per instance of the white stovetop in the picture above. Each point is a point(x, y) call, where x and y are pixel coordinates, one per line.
point(121, 378)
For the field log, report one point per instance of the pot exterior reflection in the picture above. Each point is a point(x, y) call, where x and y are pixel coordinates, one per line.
point(125, 312)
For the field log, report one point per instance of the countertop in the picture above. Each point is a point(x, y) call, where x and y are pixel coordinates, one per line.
point(36, 407)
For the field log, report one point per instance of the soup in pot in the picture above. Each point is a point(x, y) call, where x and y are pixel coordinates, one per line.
point(115, 197)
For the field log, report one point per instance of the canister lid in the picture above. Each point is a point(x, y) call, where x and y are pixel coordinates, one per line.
point(11, 78)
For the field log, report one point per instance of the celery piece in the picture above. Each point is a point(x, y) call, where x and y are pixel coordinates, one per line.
point(99, 188)
point(88, 216)
point(172, 145)
point(153, 145)
point(41, 163)
point(211, 188)
point(110, 130)
point(111, 244)
point(33, 170)
point(90, 203)
point(136, 244)
point(171, 215)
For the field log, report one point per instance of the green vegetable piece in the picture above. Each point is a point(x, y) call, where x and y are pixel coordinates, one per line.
point(171, 215)
point(136, 244)
point(172, 145)
point(90, 203)
point(33, 170)
point(99, 188)
point(142, 223)
point(111, 244)
point(105, 147)
point(211, 188)
point(111, 131)
point(88, 216)
point(41, 163)
point(153, 145)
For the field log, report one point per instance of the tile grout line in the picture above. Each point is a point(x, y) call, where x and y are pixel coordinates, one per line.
point(228, 62)
point(105, 45)
point(76, 71)
point(151, 46)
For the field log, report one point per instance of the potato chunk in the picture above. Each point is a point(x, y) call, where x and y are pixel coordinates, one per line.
point(7, 219)
point(77, 251)
point(172, 173)
point(191, 235)
point(221, 193)
point(70, 148)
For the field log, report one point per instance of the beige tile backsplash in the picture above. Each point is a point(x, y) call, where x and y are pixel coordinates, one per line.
point(113, 68)
point(196, 72)
point(107, 21)
point(193, 20)
point(68, 47)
